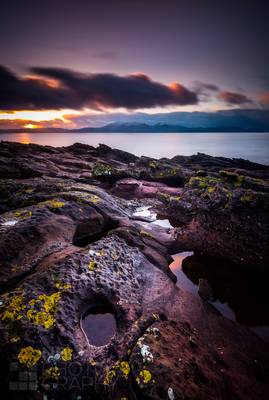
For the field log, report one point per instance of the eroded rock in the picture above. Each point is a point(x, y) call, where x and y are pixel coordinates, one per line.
point(70, 241)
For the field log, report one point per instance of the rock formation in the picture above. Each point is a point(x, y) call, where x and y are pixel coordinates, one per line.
point(70, 240)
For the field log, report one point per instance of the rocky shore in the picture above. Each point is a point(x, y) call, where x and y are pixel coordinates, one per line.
point(71, 239)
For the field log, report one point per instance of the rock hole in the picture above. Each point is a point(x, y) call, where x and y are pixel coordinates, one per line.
point(98, 324)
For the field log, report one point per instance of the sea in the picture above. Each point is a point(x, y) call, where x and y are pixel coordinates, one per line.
point(248, 145)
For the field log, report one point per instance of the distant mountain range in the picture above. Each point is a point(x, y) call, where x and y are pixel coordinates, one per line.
point(238, 120)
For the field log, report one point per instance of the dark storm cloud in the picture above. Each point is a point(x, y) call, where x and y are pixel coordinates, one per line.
point(30, 94)
point(75, 90)
point(234, 98)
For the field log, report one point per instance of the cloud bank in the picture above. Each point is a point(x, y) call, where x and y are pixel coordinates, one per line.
point(233, 98)
point(56, 88)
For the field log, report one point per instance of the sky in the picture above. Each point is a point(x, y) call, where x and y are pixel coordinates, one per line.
point(65, 60)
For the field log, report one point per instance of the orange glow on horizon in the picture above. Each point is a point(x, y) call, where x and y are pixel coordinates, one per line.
point(31, 126)
point(39, 116)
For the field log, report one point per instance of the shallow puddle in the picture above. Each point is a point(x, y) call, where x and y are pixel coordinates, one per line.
point(238, 294)
point(99, 325)
point(152, 217)
point(145, 212)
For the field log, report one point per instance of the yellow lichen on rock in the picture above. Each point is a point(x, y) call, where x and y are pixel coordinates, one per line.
point(66, 354)
point(125, 368)
point(122, 367)
point(28, 356)
point(109, 376)
point(62, 286)
point(93, 199)
point(53, 204)
point(143, 377)
point(14, 339)
point(24, 214)
point(14, 308)
point(91, 266)
point(46, 316)
point(40, 311)
point(51, 373)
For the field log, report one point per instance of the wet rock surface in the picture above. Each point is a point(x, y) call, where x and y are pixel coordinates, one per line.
point(70, 240)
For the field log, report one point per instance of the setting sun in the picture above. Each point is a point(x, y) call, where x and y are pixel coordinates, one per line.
point(31, 126)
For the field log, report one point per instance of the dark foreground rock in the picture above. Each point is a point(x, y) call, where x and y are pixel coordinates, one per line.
point(70, 240)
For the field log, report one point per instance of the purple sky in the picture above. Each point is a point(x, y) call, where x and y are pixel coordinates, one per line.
point(194, 43)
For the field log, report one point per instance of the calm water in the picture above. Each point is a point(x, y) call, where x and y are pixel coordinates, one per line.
point(251, 146)
point(241, 300)
point(98, 325)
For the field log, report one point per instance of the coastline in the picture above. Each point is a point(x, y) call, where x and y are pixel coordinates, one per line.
point(70, 239)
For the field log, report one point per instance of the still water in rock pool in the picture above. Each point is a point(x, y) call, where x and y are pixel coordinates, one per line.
point(240, 299)
point(148, 215)
point(98, 325)
point(235, 292)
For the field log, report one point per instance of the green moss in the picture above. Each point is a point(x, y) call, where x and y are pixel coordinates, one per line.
point(153, 164)
point(201, 172)
point(248, 197)
point(24, 214)
point(101, 169)
point(211, 189)
point(52, 204)
point(201, 182)
point(236, 179)
point(145, 234)
point(93, 199)
point(228, 195)
point(29, 190)
point(163, 196)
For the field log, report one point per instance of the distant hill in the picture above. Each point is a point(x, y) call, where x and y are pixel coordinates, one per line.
point(128, 127)
point(136, 127)
point(239, 120)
